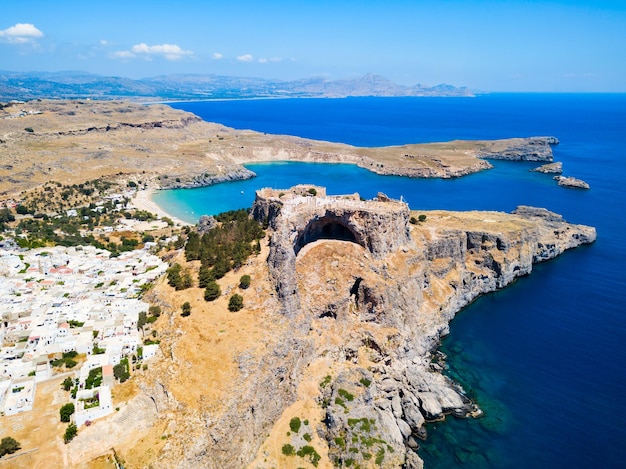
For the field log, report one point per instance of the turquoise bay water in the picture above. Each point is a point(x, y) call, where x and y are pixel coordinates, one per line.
point(545, 357)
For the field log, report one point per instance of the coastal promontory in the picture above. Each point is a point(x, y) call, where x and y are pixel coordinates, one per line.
point(75, 141)
point(331, 359)
point(327, 358)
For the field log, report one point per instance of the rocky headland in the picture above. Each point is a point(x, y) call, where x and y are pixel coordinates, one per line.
point(155, 145)
point(331, 362)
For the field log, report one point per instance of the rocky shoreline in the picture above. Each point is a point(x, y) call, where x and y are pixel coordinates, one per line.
point(364, 319)
point(155, 145)
point(340, 335)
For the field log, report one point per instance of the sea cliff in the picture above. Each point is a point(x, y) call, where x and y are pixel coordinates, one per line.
point(333, 359)
point(350, 298)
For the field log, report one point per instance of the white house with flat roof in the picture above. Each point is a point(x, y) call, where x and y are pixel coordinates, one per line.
point(20, 396)
point(99, 397)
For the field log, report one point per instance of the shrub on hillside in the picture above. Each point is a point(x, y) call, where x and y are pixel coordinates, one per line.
point(212, 291)
point(66, 412)
point(70, 432)
point(8, 445)
point(244, 282)
point(235, 303)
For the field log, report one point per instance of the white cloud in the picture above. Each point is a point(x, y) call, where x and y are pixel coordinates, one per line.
point(21, 33)
point(245, 58)
point(123, 54)
point(169, 51)
point(272, 59)
point(217, 56)
point(104, 42)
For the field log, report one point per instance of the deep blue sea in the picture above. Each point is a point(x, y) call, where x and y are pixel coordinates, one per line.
point(545, 357)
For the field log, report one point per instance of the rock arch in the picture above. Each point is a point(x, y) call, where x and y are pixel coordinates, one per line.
point(301, 215)
point(327, 227)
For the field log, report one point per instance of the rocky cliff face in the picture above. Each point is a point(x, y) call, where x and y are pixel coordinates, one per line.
point(332, 362)
point(531, 149)
point(378, 319)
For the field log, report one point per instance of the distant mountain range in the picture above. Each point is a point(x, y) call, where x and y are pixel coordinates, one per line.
point(67, 85)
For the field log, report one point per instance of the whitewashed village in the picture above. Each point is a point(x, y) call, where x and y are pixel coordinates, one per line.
point(73, 312)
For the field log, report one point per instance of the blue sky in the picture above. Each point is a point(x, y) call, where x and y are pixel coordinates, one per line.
point(491, 45)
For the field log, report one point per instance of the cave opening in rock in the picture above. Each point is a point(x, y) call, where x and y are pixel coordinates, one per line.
point(325, 228)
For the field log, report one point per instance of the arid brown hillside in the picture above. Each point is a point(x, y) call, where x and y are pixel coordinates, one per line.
point(75, 141)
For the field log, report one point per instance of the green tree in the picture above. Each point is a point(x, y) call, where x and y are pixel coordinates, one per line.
point(94, 379)
point(244, 281)
point(204, 276)
point(173, 276)
point(186, 280)
point(294, 424)
point(288, 450)
point(186, 309)
point(212, 291)
point(235, 303)
point(154, 310)
point(21, 209)
point(67, 383)
point(221, 267)
point(192, 248)
point(66, 412)
point(69, 363)
point(5, 217)
point(8, 445)
point(141, 321)
point(120, 371)
point(70, 432)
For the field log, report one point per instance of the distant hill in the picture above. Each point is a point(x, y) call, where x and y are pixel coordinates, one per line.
point(71, 84)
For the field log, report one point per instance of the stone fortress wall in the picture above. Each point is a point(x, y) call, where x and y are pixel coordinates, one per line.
point(305, 213)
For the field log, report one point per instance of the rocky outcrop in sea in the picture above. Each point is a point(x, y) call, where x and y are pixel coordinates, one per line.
point(550, 168)
point(571, 182)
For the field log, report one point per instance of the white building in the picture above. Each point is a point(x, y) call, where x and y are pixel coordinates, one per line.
point(20, 396)
point(87, 397)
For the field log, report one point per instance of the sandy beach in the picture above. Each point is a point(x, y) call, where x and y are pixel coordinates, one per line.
point(143, 201)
